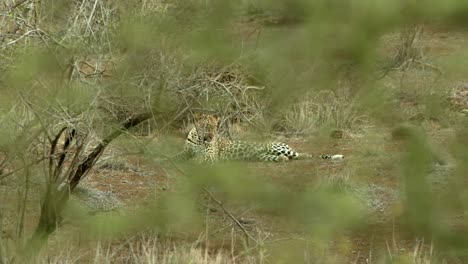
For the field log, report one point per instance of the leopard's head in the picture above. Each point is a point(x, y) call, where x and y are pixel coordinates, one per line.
point(206, 127)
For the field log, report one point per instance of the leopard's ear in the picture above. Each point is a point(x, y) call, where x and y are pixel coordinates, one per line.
point(197, 116)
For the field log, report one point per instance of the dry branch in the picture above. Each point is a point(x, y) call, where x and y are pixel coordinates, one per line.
point(57, 193)
point(87, 164)
point(233, 218)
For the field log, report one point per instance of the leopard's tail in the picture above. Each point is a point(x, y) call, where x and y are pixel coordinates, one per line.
point(302, 156)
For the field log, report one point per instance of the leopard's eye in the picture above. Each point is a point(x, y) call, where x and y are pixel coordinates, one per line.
point(208, 137)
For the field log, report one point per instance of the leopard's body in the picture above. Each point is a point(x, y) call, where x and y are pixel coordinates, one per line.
point(205, 145)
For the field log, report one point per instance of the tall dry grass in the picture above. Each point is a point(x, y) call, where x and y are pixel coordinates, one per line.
point(324, 109)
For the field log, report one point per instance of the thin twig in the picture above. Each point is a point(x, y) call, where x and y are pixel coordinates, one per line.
point(233, 218)
point(389, 251)
point(235, 101)
point(17, 4)
point(433, 67)
point(18, 39)
point(3, 176)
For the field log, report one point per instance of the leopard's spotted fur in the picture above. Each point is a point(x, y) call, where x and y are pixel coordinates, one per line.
point(205, 145)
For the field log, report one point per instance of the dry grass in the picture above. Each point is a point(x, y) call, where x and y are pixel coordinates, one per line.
point(144, 249)
point(333, 110)
point(150, 250)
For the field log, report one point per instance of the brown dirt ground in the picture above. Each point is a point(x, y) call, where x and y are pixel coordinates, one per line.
point(371, 238)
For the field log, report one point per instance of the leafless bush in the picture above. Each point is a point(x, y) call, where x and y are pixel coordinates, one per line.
point(408, 49)
point(228, 91)
point(157, 76)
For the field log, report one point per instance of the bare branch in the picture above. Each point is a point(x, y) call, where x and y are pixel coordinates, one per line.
point(233, 218)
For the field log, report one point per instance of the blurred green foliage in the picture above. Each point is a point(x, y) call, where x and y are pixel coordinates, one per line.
point(293, 48)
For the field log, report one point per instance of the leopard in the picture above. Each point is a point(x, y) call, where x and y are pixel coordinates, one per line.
point(205, 144)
